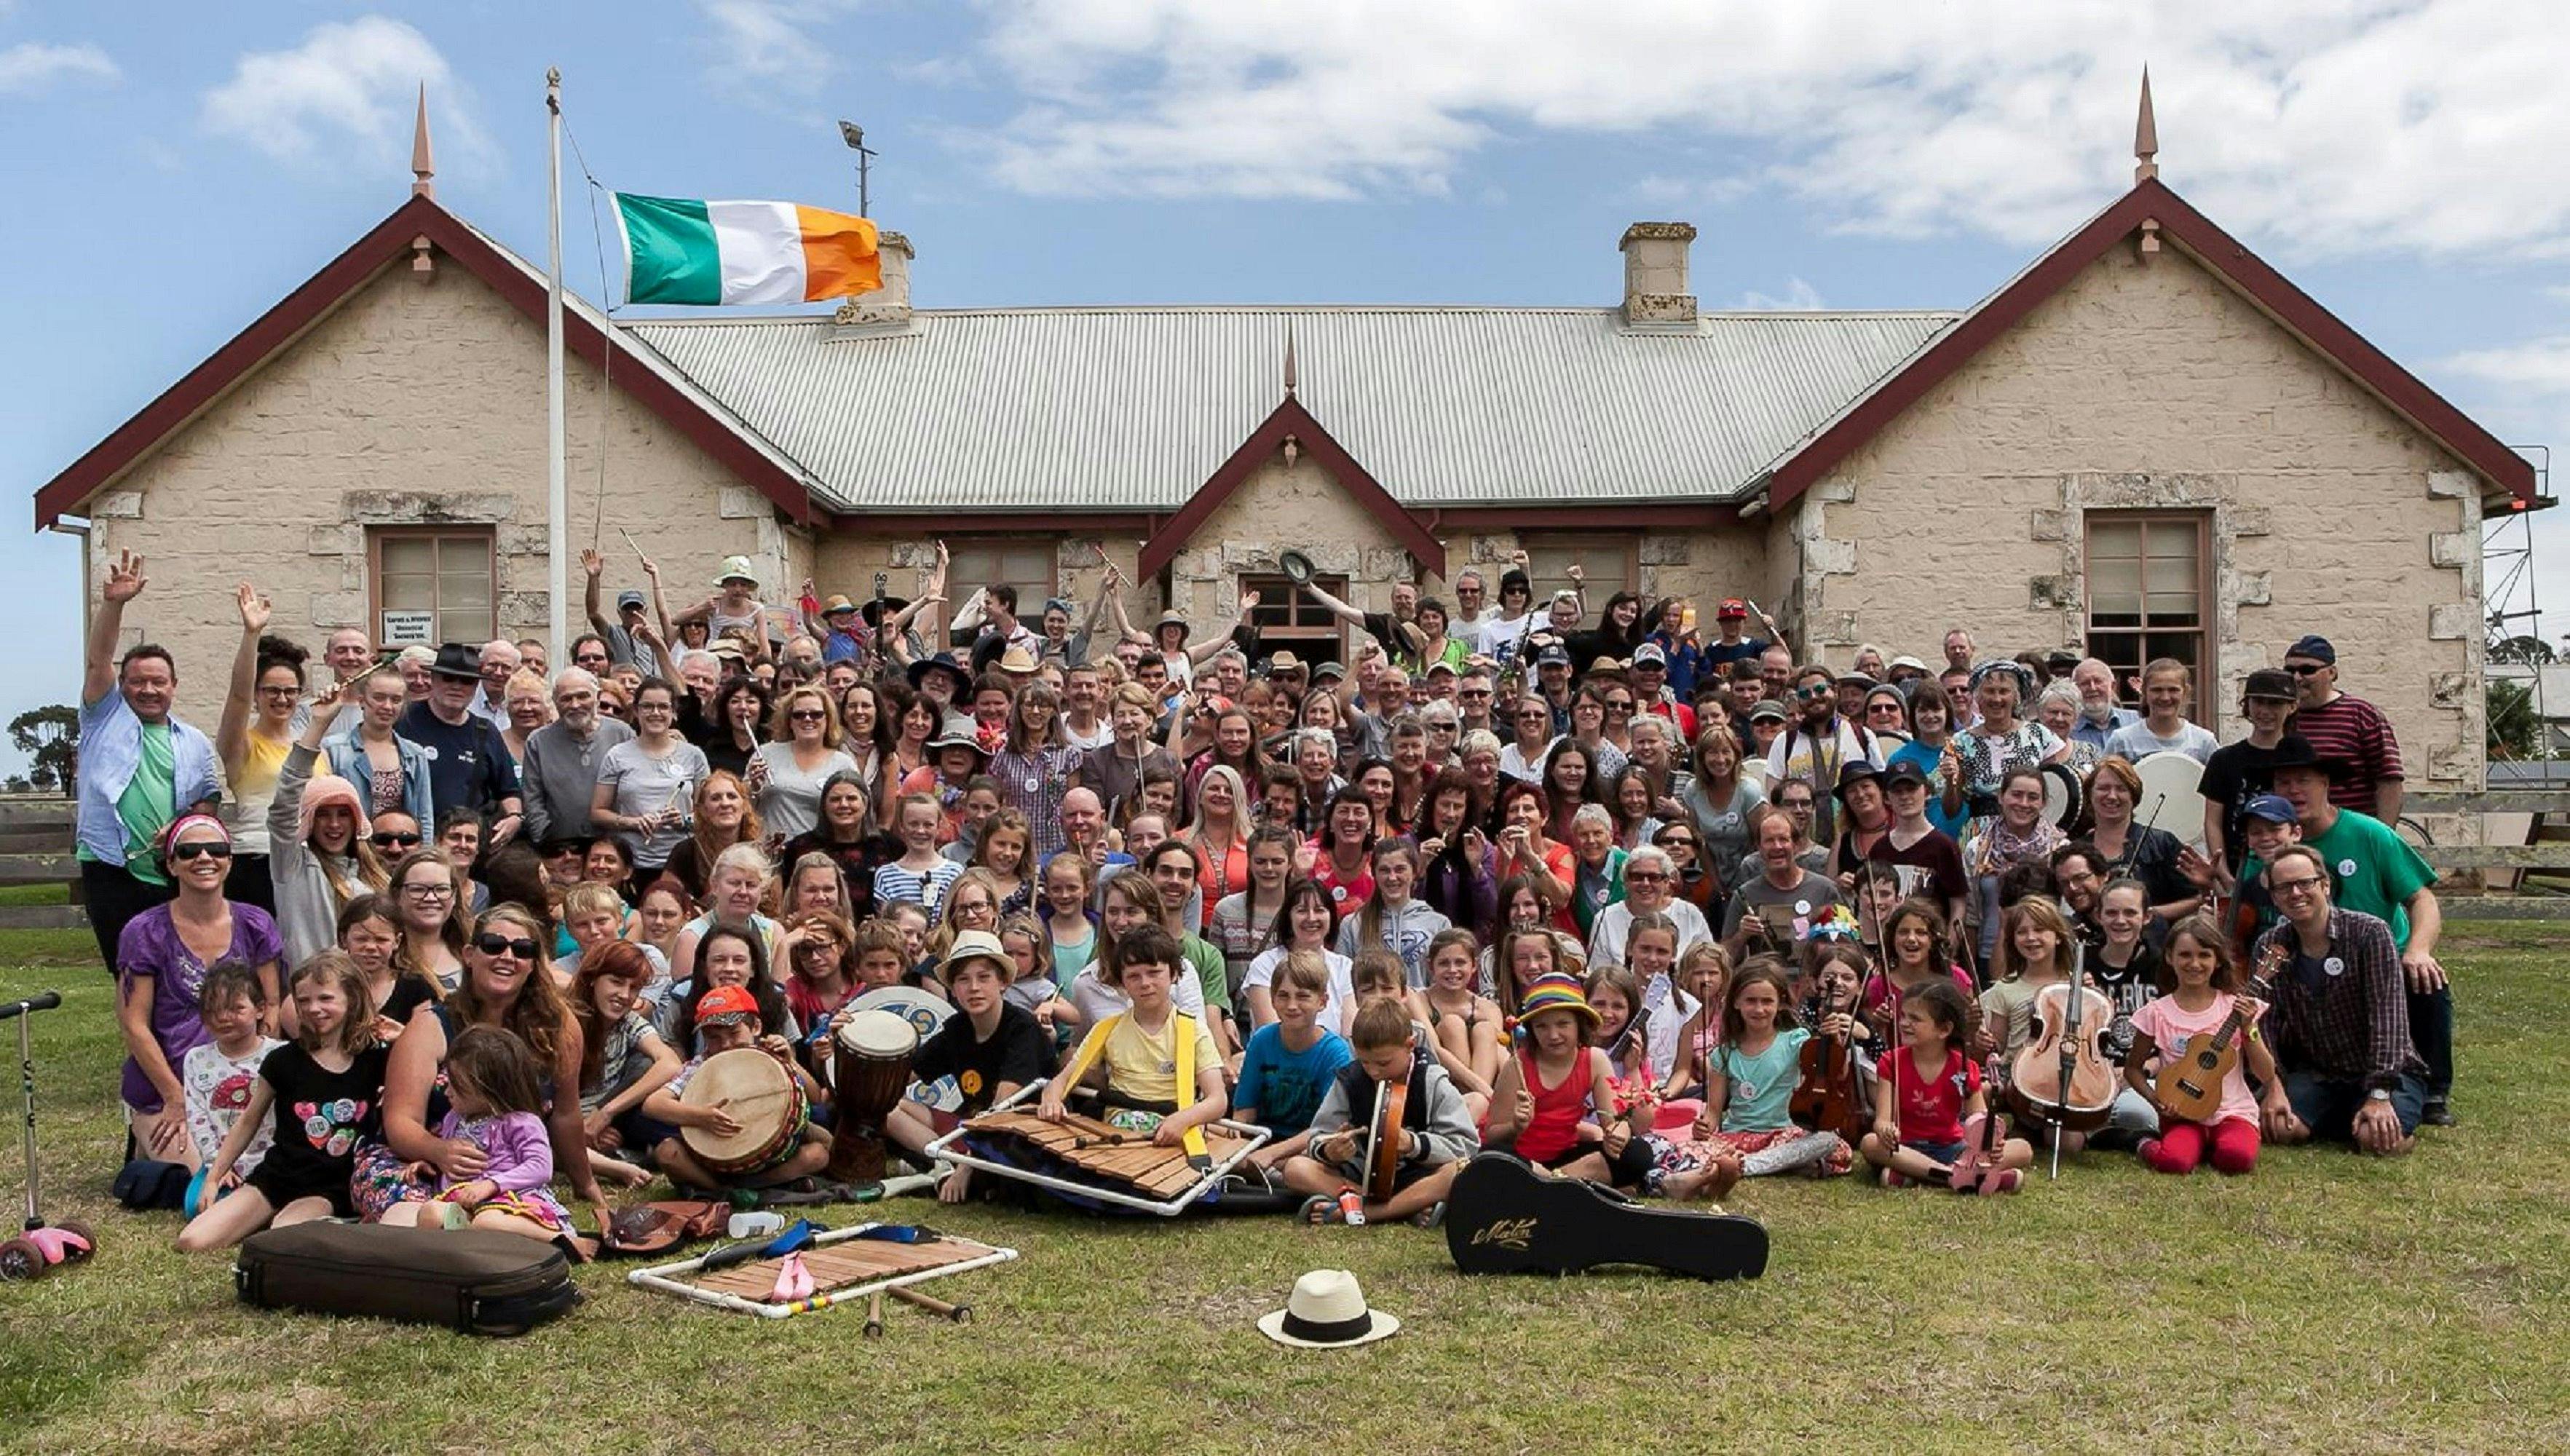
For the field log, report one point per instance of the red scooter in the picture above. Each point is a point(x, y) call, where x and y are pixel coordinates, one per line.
point(34, 1253)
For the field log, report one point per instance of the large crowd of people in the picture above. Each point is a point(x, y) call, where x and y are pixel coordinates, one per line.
point(423, 935)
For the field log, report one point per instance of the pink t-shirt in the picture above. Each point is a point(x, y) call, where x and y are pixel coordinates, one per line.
point(2168, 1025)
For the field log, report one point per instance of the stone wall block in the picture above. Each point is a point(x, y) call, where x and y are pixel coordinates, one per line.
point(381, 508)
point(2451, 484)
point(2455, 762)
point(2248, 520)
point(2452, 549)
point(739, 503)
point(524, 611)
point(1333, 555)
point(2449, 689)
point(2249, 588)
point(2452, 621)
point(1827, 557)
point(335, 609)
point(1077, 553)
point(1835, 492)
point(1834, 629)
point(476, 508)
point(2052, 593)
point(1386, 563)
point(334, 539)
point(1664, 549)
point(921, 554)
point(2048, 525)
point(526, 541)
point(117, 504)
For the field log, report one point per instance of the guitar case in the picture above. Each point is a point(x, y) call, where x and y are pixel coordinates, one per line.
point(1504, 1216)
point(473, 1281)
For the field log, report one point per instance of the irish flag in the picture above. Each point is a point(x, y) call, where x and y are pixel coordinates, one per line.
point(683, 250)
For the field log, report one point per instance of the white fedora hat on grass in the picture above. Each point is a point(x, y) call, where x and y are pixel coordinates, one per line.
point(1325, 1312)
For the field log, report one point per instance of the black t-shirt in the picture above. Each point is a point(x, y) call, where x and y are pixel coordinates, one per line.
point(2233, 775)
point(468, 766)
point(1937, 855)
point(2128, 989)
point(1017, 1051)
point(320, 1116)
point(410, 992)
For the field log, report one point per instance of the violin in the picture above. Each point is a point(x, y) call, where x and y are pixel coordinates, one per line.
point(1827, 1099)
point(2062, 1078)
point(1985, 1138)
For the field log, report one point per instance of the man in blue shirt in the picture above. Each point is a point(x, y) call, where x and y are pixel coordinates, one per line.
point(139, 767)
point(468, 766)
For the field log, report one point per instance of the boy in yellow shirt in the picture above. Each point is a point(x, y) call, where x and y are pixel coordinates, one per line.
point(1134, 1059)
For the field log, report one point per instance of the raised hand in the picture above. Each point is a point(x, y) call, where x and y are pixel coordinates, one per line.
point(125, 579)
point(1248, 601)
point(650, 568)
point(592, 562)
point(256, 609)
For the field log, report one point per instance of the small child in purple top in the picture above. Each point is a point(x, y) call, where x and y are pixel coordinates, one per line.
point(496, 1103)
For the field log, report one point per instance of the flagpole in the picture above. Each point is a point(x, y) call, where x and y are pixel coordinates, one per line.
point(558, 519)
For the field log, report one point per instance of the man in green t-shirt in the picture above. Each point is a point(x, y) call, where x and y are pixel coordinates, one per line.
point(2375, 870)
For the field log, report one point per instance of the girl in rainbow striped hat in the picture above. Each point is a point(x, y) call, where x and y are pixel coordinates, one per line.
point(1553, 1104)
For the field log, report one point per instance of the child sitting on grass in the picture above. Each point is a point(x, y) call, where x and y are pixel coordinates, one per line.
point(326, 1092)
point(727, 1020)
point(495, 1102)
point(990, 1047)
point(1436, 1131)
point(217, 1075)
point(1287, 1069)
point(1554, 1103)
point(1143, 1060)
point(1924, 1090)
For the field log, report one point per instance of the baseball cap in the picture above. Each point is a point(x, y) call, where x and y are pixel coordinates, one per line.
point(1552, 657)
point(2315, 646)
point(629, 598)
point(1768, 708)
point(1731, 607)
point(1901, 771)
point(1650, 654)
point(1331, 671)
point(2274, 808)
point(727, 1006)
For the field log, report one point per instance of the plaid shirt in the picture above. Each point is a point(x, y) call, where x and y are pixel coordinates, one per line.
point(2356, 1025)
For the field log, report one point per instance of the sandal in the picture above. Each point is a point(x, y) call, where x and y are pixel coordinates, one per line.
point(1321, 1208)
point(1431, 1217)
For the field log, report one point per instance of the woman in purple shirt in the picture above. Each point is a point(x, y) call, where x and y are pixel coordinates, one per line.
point(161, 961)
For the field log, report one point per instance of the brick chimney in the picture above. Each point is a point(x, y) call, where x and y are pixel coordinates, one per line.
point(1655, 273)
point(889, 306)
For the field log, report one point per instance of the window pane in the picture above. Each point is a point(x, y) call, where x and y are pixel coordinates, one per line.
point(464, 593)
point(468, 627)
point(408, 594)
point(2114, 588)
point(409, 554)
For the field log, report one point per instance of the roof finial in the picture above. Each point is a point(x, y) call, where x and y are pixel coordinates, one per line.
point(1289, 361)
point(2146, 137)
point(423, 170)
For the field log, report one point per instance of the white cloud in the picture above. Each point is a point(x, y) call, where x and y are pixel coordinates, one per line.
point(2535, 367)
point(764, 48)
point(1799, 297)
point(31, 65)
point(2428, 126)
point(347, 90)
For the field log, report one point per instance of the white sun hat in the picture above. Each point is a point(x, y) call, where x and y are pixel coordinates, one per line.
point(1325, 1312)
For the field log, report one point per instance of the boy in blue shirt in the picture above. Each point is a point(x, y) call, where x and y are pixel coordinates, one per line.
point(1290, 1061)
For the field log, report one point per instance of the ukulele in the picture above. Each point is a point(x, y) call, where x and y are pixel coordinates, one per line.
point(2188, 1086)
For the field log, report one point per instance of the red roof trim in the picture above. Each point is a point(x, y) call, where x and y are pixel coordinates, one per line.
point(389, 242)
point(2229, 260)
point(1290, 418)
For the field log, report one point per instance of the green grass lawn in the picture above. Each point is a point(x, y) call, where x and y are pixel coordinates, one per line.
point(2324, 1303)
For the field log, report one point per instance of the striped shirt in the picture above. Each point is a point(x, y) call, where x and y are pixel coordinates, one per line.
point(2349, 730)
point(893, 882)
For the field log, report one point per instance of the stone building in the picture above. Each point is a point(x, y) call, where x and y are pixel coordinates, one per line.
point(2147, 443)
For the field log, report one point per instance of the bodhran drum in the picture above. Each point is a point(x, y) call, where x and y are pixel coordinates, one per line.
point(872, 1066)
point(925, 1012)
point(2172, 796)
point(2063, 796)
point(758, 1094)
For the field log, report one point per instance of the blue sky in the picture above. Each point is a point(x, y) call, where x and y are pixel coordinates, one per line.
point(178, 170)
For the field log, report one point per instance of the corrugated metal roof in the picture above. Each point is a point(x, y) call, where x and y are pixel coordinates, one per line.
point(1133, 408)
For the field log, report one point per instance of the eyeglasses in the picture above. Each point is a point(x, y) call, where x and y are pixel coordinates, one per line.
point(1619, 704)
point(1816, 689)
point(1643, 876)
point(2307, 884)
point(807, 715)
point(2304, 669)
point(1677, 841)
point(493, 943)
point(395, 840)
point(184, 852)
point(432, 891)
point(274, 690)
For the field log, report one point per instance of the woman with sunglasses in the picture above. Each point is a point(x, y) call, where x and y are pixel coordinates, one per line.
point(430, 916)
point(160, 960)
point(785, 776)
point(257, 730)
point(505, 984)
point(321, 854)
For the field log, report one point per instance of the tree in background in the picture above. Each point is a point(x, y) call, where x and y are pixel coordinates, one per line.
point(49, 736)
point(2513, 730)
point(2528, 651)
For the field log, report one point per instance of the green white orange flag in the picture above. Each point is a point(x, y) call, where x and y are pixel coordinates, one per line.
point(683, 250)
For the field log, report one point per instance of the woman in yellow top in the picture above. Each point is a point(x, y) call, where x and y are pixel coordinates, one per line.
point(256, 729)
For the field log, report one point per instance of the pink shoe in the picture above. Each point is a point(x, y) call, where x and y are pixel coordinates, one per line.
point(793, 1281)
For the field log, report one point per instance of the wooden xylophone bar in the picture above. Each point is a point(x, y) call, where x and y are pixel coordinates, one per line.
point(844, 1266)
point(1228, 1143)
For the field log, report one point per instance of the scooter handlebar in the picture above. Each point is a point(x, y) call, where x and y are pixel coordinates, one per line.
point(43, 1001)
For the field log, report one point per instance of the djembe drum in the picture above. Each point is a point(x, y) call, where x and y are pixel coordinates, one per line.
point(869, 1071)
point(759, 1095)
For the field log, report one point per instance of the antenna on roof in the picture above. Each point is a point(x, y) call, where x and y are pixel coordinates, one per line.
point(423, 171)
point(2146, 137)
point(855, 137)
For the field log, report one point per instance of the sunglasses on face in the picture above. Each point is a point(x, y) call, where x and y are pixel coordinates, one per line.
point(1817, 690)
point(807, 715)
point(2304, 669)
point(184, 852)
point(394, 839)
point(493, 943)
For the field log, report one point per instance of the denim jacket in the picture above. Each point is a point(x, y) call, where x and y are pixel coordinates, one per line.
point(349, 760)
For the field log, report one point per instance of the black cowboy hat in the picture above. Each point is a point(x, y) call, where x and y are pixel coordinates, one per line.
point(2292, 750)
point(873, 612)
point(455, 660)
point(1851, 775)
point(941, 661)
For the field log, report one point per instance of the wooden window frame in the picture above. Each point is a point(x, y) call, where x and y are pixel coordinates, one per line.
point(960, 585)
point(376, 536)
point(2207, 666)
point(1302, 637)
point(1608, 543)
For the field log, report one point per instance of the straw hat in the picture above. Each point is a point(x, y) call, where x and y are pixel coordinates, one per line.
point(1327, 1310)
